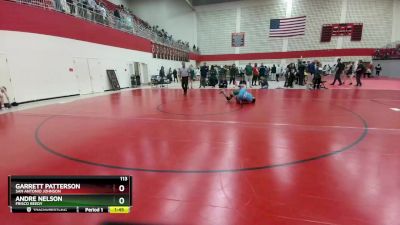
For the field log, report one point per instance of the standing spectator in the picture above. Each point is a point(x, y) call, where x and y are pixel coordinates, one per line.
point(349, 73)
point(213, 77)
point(279, 72)
point(256, 74)
point(103, 14)
point(273, 72)
point(175, 73)
point(311, 68)
point(203, 75)
point(192, 76)
point(339, 70)
point(267, 72)
point(378, 69)
point(3, 98)
point(162, 76)
point(241, 75)
point(359, 72)
point(291, 74)
point(249, 73)
point(197, 73)
point(301, 69)
point(262, 71)
point(184, 75)
point(233, 74)
point(71, 6)
point(369, 68)
point(317, 75)
point(169, 75)
point(117, 17)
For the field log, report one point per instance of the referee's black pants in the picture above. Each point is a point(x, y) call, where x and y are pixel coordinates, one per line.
point(185, 82)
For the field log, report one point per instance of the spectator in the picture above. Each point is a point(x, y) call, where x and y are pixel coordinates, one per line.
point(256, 75)
point(175, 73)
point(203, 75)
point(103, 13)
point(249, 73)
point(192, 76)
point(3, 98)
point(339, 70)
point(162, 76)
point(273, 72)
point(279, 73)
point(378, 69)
point(262, 71)
point(71, 6)
point(213, 77)
point(169, 75)
point(317, 75)
point(359, 72)
point(349, 73)
point(233, 73)
point(301, 69)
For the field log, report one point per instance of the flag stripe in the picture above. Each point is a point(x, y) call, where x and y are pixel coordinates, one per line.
point(291, 32)
point(294, 23)
point(287, 27)
point(288, 34)
point(290, 26)
point(294, 18)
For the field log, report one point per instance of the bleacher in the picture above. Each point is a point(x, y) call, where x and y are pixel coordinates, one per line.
point(126, 21)
point(390, 51)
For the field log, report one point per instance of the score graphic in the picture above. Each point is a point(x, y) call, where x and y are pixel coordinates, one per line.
point(67, 194)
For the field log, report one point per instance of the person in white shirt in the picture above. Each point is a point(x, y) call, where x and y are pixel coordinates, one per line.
point(184, 75)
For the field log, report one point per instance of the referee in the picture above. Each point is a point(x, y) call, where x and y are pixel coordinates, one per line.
point(184, 74)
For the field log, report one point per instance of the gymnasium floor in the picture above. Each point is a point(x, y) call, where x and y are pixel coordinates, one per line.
point(295, 157)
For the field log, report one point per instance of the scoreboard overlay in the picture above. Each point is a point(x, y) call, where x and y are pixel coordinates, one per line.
point(70, 194)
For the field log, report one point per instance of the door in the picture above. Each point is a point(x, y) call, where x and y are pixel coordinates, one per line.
point(97, 78)
point(82, 75)
point(5, 77)
point(144, 73)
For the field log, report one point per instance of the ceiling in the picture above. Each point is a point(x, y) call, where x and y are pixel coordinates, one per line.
point(207, 2)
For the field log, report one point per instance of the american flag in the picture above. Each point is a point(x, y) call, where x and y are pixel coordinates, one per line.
point(288, 27)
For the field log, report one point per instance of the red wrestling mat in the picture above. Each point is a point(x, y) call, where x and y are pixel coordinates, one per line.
point(294, 157)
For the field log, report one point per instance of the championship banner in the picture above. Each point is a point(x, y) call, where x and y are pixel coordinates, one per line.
point(238, 39)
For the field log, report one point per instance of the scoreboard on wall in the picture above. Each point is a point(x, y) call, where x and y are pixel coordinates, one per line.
point(341, 29)
point(70, 194)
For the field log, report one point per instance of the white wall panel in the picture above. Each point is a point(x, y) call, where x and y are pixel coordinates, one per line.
point(215, 28)
point(255, 22)
point(318, 13)
point(40, 68)
point(377, 18)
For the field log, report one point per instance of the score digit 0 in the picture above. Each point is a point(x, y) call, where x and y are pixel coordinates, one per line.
point(121, 188)
point(121, 200)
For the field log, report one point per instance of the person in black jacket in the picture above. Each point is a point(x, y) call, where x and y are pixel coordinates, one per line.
point(273, 73)
point(262, 70)
point(378, 69)
point(233, 73)
point(359, 72)
point(317, 75)
point(203, 75)
point(301, 68)
point(175, 73)
point(339, 70)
